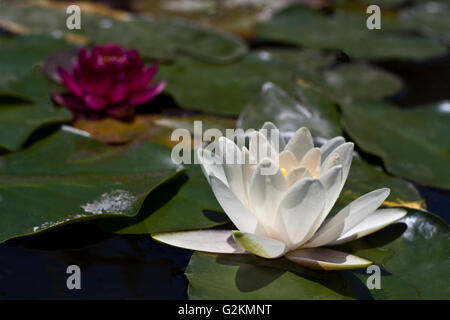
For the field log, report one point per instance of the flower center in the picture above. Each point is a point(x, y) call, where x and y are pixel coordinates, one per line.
point(108, 59)
point(283, 171)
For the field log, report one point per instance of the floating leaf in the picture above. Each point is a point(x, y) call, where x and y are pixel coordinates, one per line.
point(225, 89)
point(21, 73)
point(67, 177)
point(154, 128)
point(227, 277)
point(19, 121)
point(183, 203)
point(412, 253)
point(364, 178)
point(412, 143)
point(430, 17)
point(303, 26)
point(153, 37)
point(361, 81)
point(306, 59)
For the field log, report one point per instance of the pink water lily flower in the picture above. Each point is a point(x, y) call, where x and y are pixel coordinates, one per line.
point(108, 81)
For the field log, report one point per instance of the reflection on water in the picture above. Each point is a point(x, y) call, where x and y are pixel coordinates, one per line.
point(112, 267)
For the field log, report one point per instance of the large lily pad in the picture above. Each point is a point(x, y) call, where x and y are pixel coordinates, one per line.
point(430, 17)
point(303, 26)
point(183, 203)
point(19, 121)
point(153, 37)
point(412, 143)
point(154, 128)
point(22, 80)
point(229, 277)
point(225, 89)
point(364, 178)
point(67, 177)
point(19, 62)
point(412, 253)
point(361, 81)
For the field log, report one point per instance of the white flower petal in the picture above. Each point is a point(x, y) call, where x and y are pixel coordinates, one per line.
point(287, 160)
point(374, 222)
point(232, 166)
point(216, 241)
point(300, 143)
point(260, 148)
point(210, 165)
point(248, 168)
point(311, 161)
point(332, 160)
point(348, 217)
point(261, 246)
point(271, 130)
point(266, 191)
point(296, 174)
point(326, 259)
point(299, 209)
point(331, 181)
point(243, 219)
point(345, 152)
point(330, 146)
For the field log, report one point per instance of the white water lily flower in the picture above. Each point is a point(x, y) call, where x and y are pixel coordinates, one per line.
point(284, 214)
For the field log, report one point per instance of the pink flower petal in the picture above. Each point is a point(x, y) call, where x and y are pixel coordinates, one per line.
point(95, 102)
point(144, 96)
point(69, 81)
point(111, 49)
point(70, 101)
point(134, 59)
point(118, 92)
point(148, 74)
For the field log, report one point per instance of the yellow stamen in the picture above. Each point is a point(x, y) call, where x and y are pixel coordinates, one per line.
point(284, 171)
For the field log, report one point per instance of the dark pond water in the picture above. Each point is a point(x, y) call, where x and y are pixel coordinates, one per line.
point(112, 267)
point(136, 267)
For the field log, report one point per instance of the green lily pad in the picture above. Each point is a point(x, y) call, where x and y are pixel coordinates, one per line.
point(183, 203)
point(273, 104)
point(21, 74)
point(385, 3)
point(412, 253)
point(412, 143)
point(364, 177)
point(19, 121)
point(153, 37)
point(303, 26)
point(361, 81)
point(225, 89)
point(430, 17)
point(68, 177)
point(306, 59)
point(229, 277)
